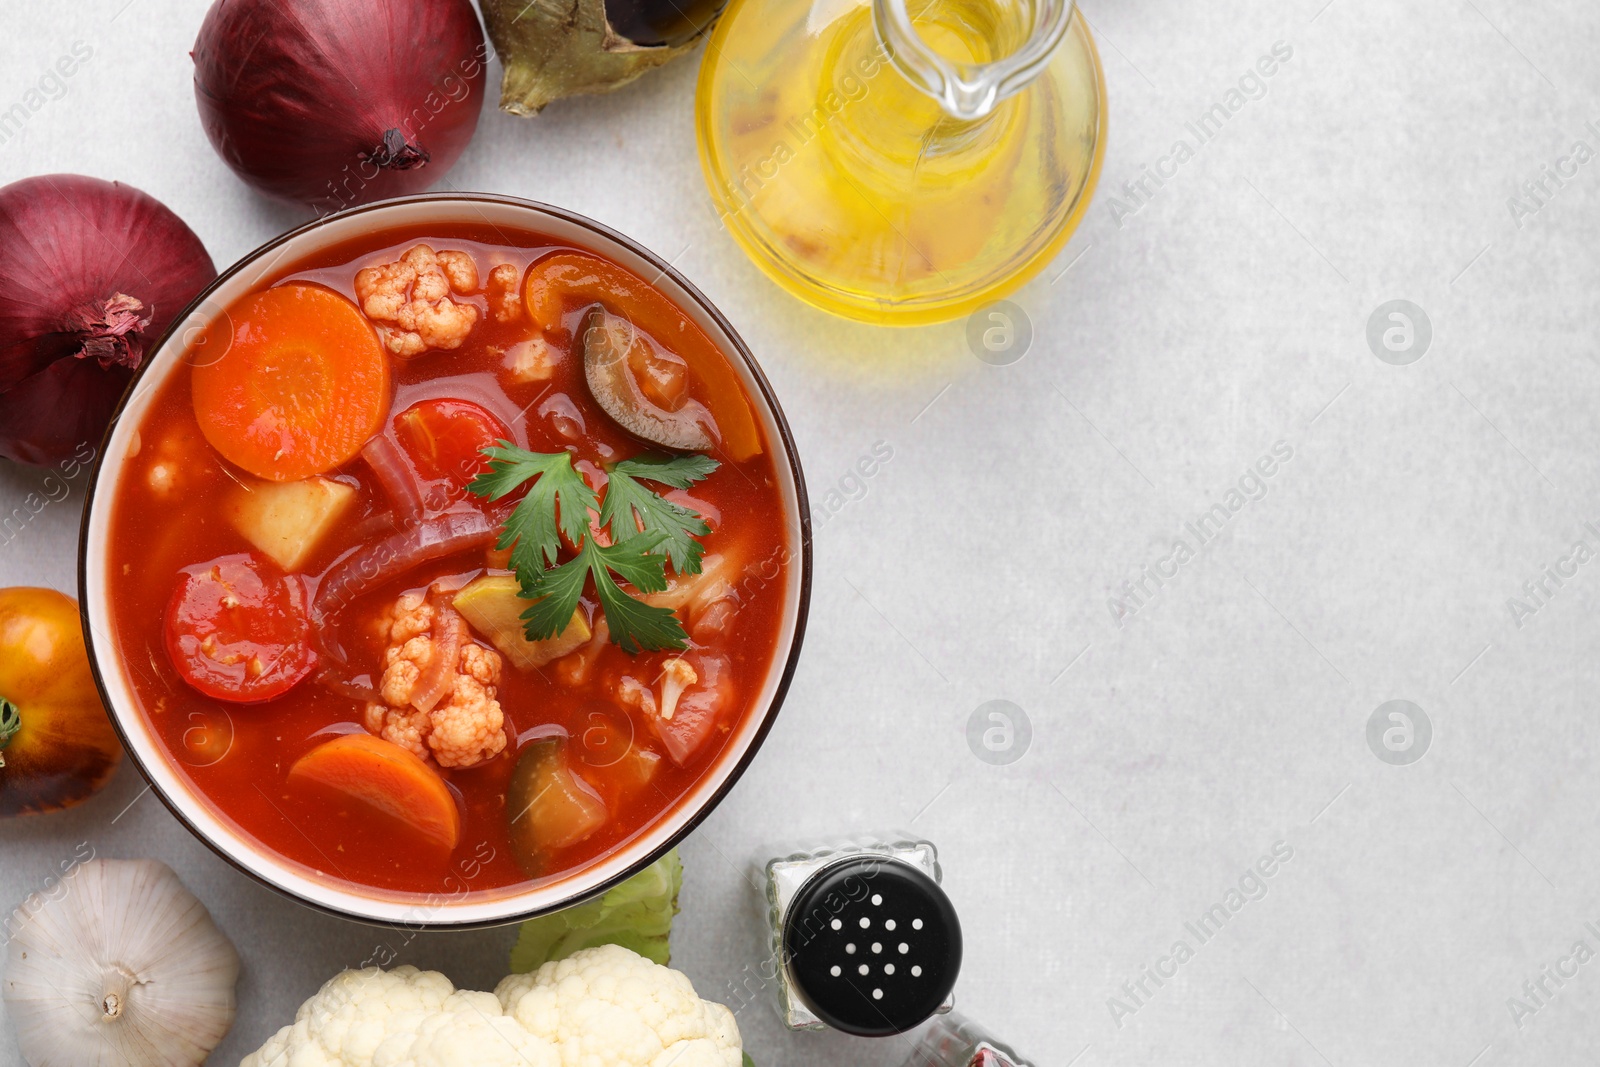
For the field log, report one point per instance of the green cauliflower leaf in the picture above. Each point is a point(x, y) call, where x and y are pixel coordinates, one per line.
point(637, 915)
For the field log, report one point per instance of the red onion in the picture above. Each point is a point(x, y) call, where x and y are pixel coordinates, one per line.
point(375, 563)
point(91, 273)
point(338, 102)
point(438, 678)
point(389, 465)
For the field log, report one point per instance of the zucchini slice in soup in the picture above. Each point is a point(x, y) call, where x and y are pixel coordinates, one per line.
point(548, 805)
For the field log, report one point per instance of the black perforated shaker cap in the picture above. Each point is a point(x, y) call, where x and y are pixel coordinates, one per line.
point(873, 944)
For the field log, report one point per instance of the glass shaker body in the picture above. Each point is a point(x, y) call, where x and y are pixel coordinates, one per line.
point(956, 1041)
point(863, 938)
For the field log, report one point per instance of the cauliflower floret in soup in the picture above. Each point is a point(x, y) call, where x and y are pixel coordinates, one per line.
point(411, 300)
point(439, 691)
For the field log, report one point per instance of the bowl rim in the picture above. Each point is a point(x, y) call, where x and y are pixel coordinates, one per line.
point(730, 771)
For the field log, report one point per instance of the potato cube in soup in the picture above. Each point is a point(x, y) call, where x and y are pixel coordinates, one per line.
point(287, 520)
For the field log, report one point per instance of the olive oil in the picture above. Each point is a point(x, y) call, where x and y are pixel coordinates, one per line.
point(858, 191)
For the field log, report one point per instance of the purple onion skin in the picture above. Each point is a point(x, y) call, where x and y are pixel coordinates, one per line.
point(91, 274)
point(333, 103)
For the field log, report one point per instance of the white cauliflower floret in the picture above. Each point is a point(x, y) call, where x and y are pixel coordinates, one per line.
point(439, 687)
point(505, 303)
point(351, 1015)
point(470, 727)
point(411, 297)
point(676, 676)
point(635, 694)
point(610, 1007)
point(468, 1031)
point(401, 1018)
point(603, 1007)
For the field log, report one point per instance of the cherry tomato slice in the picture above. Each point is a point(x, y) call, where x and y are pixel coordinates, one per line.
point(236, 630)
point(446, 438)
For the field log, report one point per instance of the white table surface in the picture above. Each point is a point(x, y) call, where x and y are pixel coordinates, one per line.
point(1228, 713)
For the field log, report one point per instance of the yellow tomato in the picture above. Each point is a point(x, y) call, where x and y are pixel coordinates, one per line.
point(56, 744)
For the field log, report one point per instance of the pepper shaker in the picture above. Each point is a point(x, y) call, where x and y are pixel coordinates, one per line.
point(867, 940)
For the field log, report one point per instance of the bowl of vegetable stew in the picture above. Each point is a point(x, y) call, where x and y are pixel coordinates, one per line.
point(448, 562)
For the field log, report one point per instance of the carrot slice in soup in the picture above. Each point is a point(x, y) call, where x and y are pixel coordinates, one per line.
point(387, 777)
point(302, 384)
point(554, 279)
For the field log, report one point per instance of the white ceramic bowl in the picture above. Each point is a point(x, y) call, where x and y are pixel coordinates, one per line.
point(468, 909)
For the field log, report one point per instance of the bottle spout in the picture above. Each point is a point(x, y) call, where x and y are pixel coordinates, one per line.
point(962, 99)
point(969, 91)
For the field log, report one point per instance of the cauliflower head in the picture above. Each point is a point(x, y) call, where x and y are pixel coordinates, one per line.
point(603, 1007)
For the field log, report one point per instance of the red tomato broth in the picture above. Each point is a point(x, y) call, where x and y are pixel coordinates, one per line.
point(154, 537)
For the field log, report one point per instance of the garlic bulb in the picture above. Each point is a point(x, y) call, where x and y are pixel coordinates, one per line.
point(118, 965)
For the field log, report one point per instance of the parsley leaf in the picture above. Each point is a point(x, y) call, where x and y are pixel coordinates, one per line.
point(634, 624)
point(530, 531)
point(629, 506)
point(555, 593)
point(680, 472)
point(636, 560)
point(647, 532)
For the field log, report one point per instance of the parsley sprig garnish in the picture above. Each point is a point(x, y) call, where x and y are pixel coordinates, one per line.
point(679, 527)
point(647, 532)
